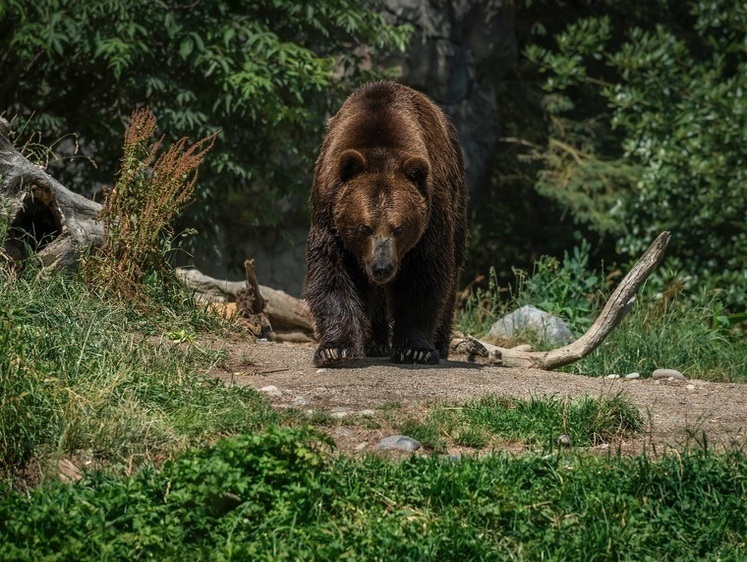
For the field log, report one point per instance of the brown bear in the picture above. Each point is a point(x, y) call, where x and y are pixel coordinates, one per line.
point(388, 229)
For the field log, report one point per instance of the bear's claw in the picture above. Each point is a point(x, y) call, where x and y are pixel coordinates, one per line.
point(415, 355)
point(327, 356)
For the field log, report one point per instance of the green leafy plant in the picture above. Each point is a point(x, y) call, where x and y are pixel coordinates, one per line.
point(567, 288)
point(278, 494)
point(264, 74)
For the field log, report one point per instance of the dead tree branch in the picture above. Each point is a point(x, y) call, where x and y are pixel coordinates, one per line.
point(617, 306)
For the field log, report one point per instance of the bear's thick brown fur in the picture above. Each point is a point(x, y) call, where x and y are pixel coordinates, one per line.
point(388, 229)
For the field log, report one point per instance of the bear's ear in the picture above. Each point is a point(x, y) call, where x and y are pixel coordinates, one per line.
point(416, 170)
point(351, 164)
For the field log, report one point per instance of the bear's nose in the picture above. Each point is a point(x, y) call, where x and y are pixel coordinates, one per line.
point(382, 269)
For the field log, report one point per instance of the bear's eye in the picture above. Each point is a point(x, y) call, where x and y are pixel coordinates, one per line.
point(397, 230)
point(365, 230)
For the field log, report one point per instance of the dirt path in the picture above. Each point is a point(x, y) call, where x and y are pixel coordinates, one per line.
point(675, 411)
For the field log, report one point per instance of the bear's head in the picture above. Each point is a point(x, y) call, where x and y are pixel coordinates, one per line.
point(381, 208)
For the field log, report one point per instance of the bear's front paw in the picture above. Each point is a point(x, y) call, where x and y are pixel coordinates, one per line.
point(328, 356)
point(424, 355)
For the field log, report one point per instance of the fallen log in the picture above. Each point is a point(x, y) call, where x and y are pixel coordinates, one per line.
point(287, 313)
point(56, 223)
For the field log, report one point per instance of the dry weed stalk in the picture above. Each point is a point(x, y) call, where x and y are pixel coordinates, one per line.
point(151, 190)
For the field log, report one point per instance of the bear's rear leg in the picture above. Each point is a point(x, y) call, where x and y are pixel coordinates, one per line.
point(378, 345)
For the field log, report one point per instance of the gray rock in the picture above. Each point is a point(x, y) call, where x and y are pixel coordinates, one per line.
point(271, 390)
point(613, 376)
point(564, 440)
point(659, 374)
point(631, 376)
point(530, 318)
point(400, 442)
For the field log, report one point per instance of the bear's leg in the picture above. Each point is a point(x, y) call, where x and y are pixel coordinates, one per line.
point(415, 310)
point(378, 345)
point(443, 332)
point(335, 295)
point(443, 338)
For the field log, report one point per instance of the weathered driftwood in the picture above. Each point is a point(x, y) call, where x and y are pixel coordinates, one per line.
point(617, 306)
point(44, 215)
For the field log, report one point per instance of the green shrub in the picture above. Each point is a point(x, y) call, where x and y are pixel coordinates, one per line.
point(645, 116)
point(277, 495)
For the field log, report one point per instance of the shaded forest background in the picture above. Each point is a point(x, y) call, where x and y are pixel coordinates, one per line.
point(589, 125)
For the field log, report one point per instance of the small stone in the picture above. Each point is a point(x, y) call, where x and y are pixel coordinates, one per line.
point(271, 390)
point(613, 376)
point(659, 374)
point(68, 471)
point(367, 413)
point(339, 415)
point(301, 401)
point(400, 442)
point(690, 387)
point(322, 370)
point(344, 432)
point(564, 440)
point(633, 376)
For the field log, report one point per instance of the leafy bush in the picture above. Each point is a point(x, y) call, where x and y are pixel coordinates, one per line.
point(569, 288)
point(645, 133)
point(278, 495)
point(264, 74)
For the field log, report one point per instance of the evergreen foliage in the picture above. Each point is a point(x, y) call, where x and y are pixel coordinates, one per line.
point(646, 133)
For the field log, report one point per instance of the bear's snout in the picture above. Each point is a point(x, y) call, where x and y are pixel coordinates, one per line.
point(382, 266)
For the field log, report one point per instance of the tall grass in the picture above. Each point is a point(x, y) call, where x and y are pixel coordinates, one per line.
point(679, 335)
point(78, 373)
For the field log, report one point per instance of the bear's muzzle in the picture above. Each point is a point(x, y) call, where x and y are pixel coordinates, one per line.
point(382, 267)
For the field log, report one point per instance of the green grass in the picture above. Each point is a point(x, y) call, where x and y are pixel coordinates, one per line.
point(491, 420)
point(279, 495)
point(688, 334)
point(77, 373)
point(678, 337)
